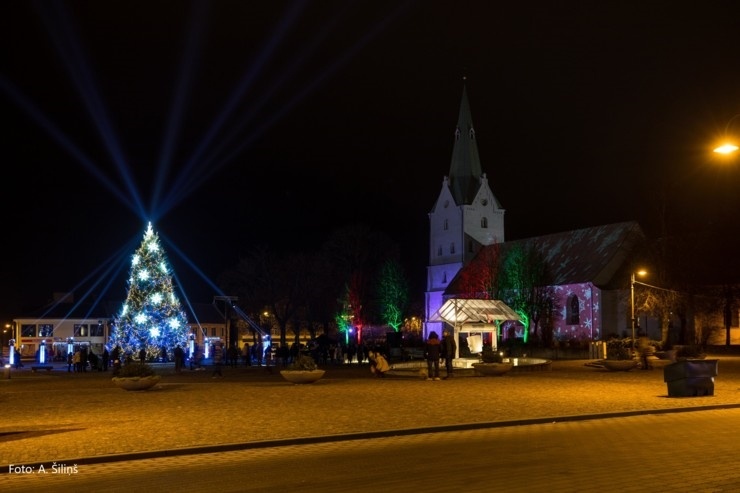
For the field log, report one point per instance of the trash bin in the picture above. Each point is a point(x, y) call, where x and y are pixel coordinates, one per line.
point(691, 377)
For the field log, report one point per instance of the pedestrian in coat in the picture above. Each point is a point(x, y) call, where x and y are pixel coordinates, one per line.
point(179, 354)
point(449, 351)
point(433, 351)
point(218, 356)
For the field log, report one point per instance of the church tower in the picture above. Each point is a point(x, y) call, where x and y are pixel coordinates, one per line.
point(465, 217)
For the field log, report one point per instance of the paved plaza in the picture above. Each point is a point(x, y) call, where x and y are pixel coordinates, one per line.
point(84, 418)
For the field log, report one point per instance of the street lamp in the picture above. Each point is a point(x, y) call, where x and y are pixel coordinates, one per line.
point(728, 146)
point(632, 303)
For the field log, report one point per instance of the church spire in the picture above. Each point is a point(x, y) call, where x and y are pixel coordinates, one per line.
point(465, 168)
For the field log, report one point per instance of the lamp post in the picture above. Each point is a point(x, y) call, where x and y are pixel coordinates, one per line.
point(632, 304)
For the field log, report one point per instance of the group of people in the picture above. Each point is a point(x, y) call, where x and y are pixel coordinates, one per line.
point(435, 350)
point(82, 358)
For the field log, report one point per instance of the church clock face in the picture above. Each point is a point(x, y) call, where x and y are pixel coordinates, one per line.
point(484, 201)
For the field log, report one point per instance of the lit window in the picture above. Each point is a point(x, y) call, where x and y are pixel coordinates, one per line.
point(46, 330)
point(81, 330)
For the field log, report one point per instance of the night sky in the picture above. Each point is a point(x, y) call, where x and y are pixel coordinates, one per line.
point(243, 123)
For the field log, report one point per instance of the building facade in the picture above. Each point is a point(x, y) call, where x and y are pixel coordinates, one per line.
point(64, 325)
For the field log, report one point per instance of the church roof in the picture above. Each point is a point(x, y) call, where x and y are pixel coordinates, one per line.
point(465, 168)
point(597, 254)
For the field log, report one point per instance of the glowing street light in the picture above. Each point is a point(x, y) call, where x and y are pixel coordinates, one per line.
point(632, 303)
point(728, 146)
point(726, 149)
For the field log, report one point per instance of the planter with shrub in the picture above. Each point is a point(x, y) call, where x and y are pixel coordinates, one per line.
point(135, 376)
point(619, 355)
point(491, 364)
point(302, 370)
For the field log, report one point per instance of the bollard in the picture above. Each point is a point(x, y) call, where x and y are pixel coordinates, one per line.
point(6, 372)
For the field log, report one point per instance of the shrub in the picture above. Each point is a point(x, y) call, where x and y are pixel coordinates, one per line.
point(490, 356)
point(134, 369)
point(303, 362)
point(618, 349)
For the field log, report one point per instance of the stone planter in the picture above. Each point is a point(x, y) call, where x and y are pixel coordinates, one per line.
point(619, 364)
point(136, 383)
point(492, 369)
point(302, 376)
point(690, 377)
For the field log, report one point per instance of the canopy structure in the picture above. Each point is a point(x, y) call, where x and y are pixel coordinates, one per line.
point(474, 317)
point(461, 311)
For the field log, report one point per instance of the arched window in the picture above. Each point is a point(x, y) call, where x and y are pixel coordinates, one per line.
point(444, 278)
point(439, 251)
point(452, 248)
point(447, 224)
point(574, 310)
point(484, 222)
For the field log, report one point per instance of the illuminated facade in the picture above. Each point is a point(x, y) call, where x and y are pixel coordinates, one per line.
point(589, 271)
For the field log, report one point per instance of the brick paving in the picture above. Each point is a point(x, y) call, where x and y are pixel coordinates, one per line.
point(84, 418)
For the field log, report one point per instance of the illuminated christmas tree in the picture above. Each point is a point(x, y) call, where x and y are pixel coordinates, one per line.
point(151, 317)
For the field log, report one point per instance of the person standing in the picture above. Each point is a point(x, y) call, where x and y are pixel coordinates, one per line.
point(116, 358)
point(218, 356)
point(247, 355)
point(433, 350)
point(233, 355)
point(646, 350)
point(76, 361)
point(83, 358)
point(351, 350)
point(449, 351)
point(179, 354)
point(259, 352)
point(106, 359)
point(142, 355)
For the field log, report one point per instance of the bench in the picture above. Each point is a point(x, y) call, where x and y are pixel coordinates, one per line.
point(41, 367)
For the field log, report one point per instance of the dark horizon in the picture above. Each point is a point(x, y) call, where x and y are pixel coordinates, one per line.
point(314, 116)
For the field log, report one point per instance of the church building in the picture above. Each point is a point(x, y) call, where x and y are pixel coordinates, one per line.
point(590, 268)
point(465, 217)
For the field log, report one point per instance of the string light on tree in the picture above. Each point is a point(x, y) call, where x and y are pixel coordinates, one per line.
point(152, 316)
